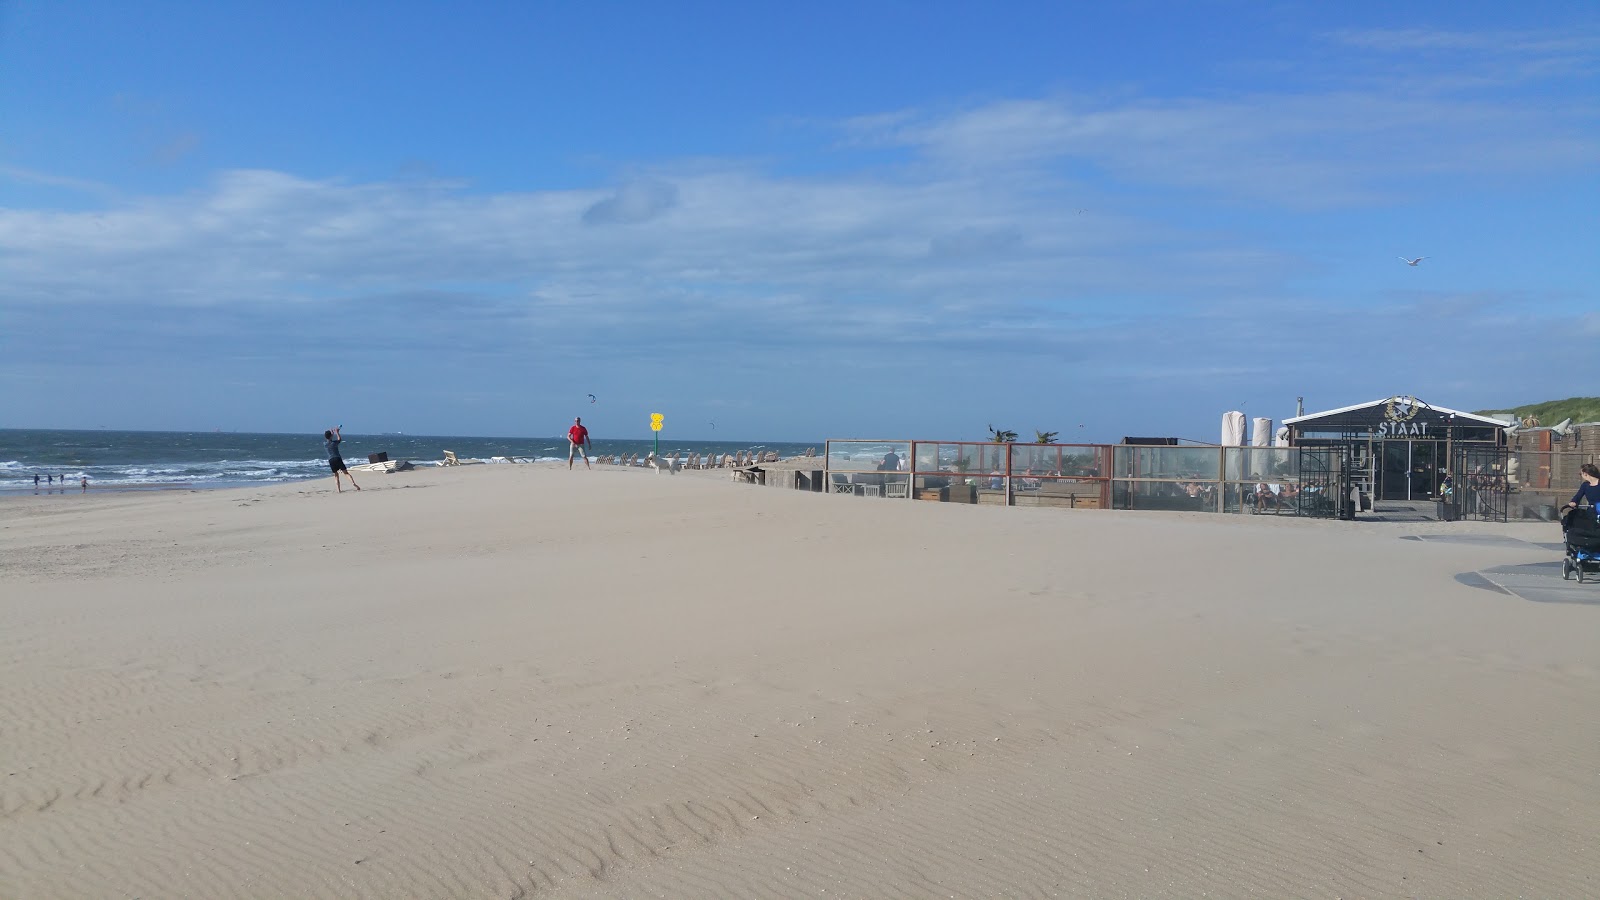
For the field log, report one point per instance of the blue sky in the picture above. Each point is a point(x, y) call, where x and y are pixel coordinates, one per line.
point(796, 221)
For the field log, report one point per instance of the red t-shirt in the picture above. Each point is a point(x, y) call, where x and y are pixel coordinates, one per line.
point(578, 434)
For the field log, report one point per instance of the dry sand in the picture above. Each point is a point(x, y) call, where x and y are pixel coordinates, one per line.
point(498, 681)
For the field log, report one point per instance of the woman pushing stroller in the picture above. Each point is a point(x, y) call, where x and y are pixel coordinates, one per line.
point(1580, 530)
point(1589, 489)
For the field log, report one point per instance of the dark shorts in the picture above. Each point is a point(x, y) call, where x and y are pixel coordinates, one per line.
point(337, 465)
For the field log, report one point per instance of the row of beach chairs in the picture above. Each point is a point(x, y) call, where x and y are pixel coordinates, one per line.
point(697, 460)
point(693, 461)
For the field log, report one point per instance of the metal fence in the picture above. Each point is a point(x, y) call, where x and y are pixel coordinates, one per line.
point(1540, 482)
point(1298, 481)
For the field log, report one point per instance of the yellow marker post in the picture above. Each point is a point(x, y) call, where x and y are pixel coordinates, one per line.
point(655, 425)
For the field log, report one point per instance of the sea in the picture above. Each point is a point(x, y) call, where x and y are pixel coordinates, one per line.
point(149, 460)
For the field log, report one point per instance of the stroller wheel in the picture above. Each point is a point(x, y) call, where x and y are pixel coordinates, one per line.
point(1566, 570)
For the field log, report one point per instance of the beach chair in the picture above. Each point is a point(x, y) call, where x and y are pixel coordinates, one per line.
point(450, 458)
point(811, 452)
point(899, 489)
point(771, 457)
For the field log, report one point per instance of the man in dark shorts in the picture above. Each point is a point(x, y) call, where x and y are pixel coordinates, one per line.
point(335, 461)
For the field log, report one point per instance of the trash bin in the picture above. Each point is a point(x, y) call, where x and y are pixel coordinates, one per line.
point(378, 457)
point(1449, 511)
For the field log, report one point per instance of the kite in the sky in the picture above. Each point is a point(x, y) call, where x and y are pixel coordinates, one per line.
point(591, 398)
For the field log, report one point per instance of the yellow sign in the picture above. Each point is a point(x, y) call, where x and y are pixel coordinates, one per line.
point(655, 421)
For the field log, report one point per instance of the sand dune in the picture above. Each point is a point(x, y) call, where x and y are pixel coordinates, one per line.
point(504, 681)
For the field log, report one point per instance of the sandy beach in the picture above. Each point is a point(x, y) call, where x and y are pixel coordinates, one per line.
point(508, 681)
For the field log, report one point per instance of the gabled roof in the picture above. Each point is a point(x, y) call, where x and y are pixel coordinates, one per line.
point(1439, 409)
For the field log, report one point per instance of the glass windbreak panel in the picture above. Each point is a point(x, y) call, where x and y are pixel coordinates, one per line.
point(991, 457)
point(1238, 498)
point(1084, 461)
point(1047, 460)
point(869, 456)
point(1036, 459)
point(1168, 462)
point(953, 458)
point(1256, 463)
point(1173, 495)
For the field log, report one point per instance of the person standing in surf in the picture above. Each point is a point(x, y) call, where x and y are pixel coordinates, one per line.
point(332, 439)
point(577, 442)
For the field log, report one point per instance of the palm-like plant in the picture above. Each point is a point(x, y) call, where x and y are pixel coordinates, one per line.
point(1044, 437)
point(1001, 437)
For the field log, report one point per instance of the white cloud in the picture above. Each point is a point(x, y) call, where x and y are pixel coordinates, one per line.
point(988, 233)
point(1296, 151)
point(22, 175)
point(639, 201)
point(1581, 42)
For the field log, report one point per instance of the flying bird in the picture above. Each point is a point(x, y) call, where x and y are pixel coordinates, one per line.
point(1412, 262)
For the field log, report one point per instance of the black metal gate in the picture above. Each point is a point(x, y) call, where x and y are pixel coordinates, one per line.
point(1324, 490)
point(1478, 483)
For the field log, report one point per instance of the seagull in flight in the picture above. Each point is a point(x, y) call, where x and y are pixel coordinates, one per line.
point(1412, 262)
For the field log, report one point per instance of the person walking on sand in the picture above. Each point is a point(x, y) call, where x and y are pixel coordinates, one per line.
point(332, 439)
point(577, 442)
point(85, 482)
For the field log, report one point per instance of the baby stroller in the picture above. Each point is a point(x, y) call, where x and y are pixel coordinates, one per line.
point(1581, 533)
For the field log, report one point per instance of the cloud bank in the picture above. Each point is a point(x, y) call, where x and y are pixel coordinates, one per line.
point(1081, 232)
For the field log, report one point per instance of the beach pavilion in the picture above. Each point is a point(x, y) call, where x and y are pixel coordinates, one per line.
point(1403, 447)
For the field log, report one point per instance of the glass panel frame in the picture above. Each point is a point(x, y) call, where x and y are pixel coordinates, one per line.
point(866, 456)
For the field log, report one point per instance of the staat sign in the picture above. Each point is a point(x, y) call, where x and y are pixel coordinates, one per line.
point(1401, 419)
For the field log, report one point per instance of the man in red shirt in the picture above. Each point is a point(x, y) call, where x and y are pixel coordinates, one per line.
point(577, 438)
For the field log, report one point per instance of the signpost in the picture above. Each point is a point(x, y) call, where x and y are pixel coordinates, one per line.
point(655, 426)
